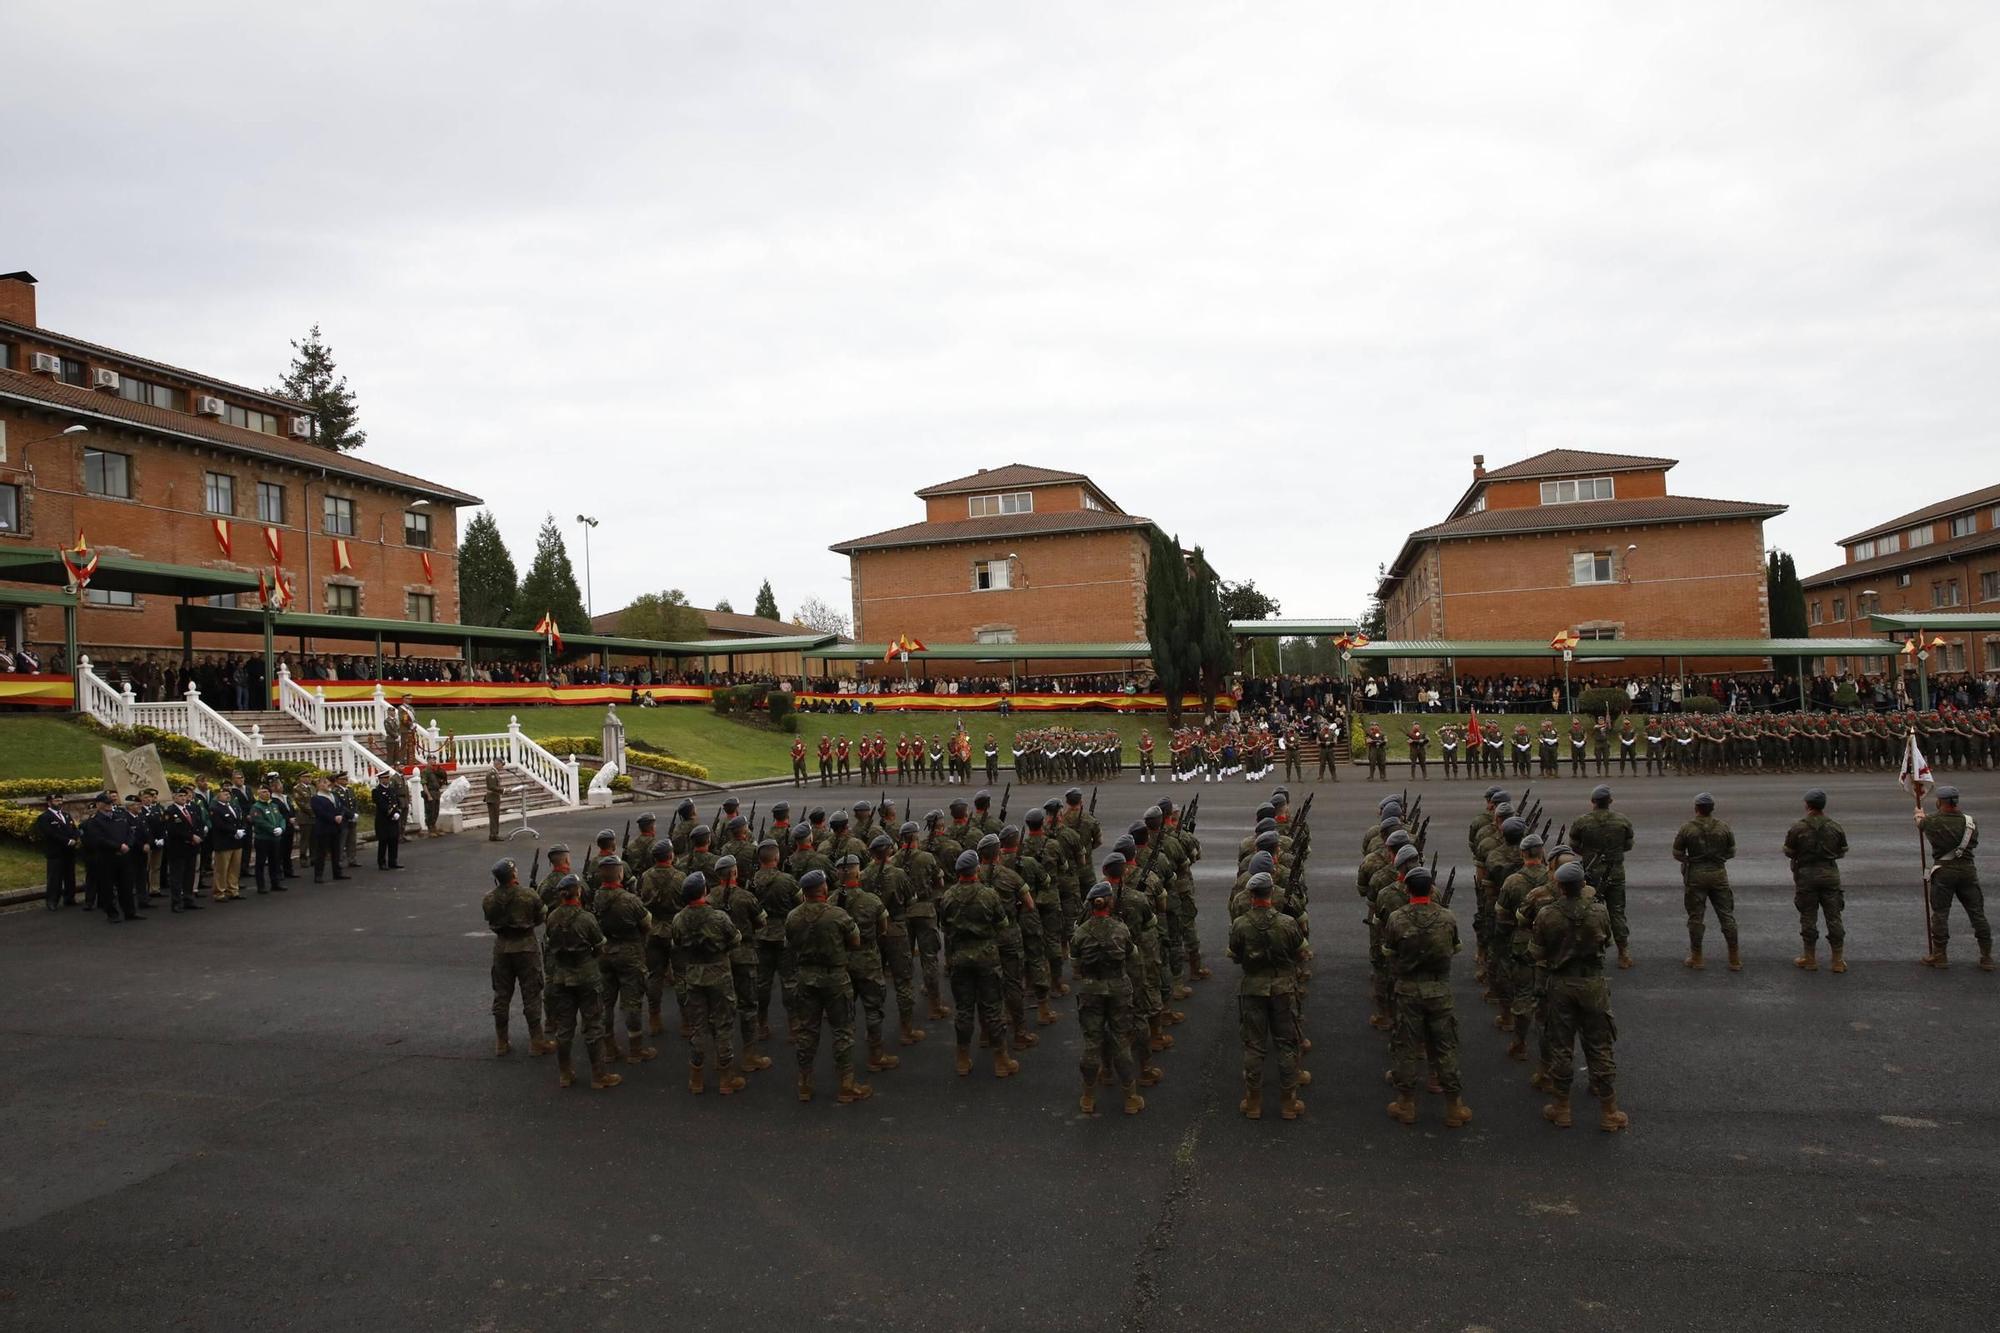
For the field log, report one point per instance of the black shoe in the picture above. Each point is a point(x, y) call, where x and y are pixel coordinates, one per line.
point(191, 907)
point(279, 888)
point(395, 865)
point(338, 877)
point(135, 917)
point(320, 880)
point(262, 892)
point(174, 907)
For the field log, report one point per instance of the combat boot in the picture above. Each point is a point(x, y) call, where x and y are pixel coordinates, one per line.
point(1289, 1105)
point(938, 1010)
point(1610, 1119)
point(1624, 957)
point(539, 1041)
point(1808, 960)
point(910, 1036)
point(1935, 958)
point(1986, 957)
point(1539, 1080)
point(1518, 1048)
point(1150, 1075)
point(851, 1092)
point(611, 1051)
point(501, 1046)
point(636, 1052)
point(1735, 957)
point(601, 1076)
point(654, 1026)
point(763, 1029)
point(1305, 1078)
point(805, 1086)
point(565, 1071)
point(1201, 970)
point(1457, 1114)
point(1504, 1021)
point(1252, 1105)
point(1404, 1108)
point(878, 1060)
point(1023, 1038)
point(1693, 960)
point(1557, 1111)
point(1087, 1103)
point(1004, 1065)
point(729, 1080)
point(1134, 1103)
point(963, 1063)
point(1045, 1015)
point(1181, 990)
point(752, 1062)
point(697, 1079)
point(1839, 959)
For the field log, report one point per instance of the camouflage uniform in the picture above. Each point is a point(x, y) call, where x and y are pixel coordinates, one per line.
point(702, 938)
point(1267, 945)
point(971, 916)
point(777, 893)
point(574, 984)
point(1568, 947)
point(1953, 837)
point(1418, 942)
point(1815, 845)
point(660, 893)
point(625, 921)
point(864, 962)
point(513, 912)
point(748, 915)
point(820, 938)
point(1703, 846)
point(1102, 948)
point(1601, 838)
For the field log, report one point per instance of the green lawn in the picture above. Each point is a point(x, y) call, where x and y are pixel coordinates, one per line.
point(738, 751)
point(20, 865)
point(35, 745)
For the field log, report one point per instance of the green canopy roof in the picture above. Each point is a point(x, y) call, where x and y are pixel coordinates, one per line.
point(997, 652)
point(1305, 629)
point(120, 573)
point(1590, 649)
point(1935, 620)
point(250, 620)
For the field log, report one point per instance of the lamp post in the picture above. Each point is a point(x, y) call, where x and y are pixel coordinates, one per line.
point(589, 607)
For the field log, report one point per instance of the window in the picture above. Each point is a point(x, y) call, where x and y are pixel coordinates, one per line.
point(420, 606)
point(1864, 550)
point(1945, 593)
point(1597, 632)
point(990, 575)
point(1478, 506)
point(1569, 492)
point(1840, 609)
point(416, 529)
point(343, 599)
point(6, 356)
point(226, 600)
point(993, 636)
point(1965, 525)
point(155, 395)
point(1888, 545)
point(249, 420)
point(270, 502)
point(1090, 502)
point(1590, 567)
point(74, 371)
point(106, 473)
point(1989, 586)
point(1902, 580)
point(1812, 610)
point(10, 509)
point(1923, 536)
point(1015, 502)
point(219, 492)
point(108, 597)
point(338, 513)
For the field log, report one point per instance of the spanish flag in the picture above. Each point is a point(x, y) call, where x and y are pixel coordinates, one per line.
point(342, 561)
point(80, 562)
point(222, 540)
point(901, 644)
point(546, 627)
point(274, 542)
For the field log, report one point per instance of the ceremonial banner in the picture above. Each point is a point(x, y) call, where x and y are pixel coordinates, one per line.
point(222, 539)
point(18, 691)
point(430, 576)
point(342, 561)
point(274, 542)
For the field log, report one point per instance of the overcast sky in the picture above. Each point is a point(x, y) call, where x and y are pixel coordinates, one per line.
point(738, 278)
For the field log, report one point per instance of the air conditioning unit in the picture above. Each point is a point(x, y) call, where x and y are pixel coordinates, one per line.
point(302, 428)
point(208, 406)
point(106, 380)
point(42, 363)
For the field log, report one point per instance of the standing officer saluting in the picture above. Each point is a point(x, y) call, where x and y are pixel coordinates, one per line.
point(1815, 845)
point(1953, 837)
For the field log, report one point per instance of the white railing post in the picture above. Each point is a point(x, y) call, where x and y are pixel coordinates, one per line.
point(514, 741)
point(256, 744)
point(572, 792)
point(381, 707)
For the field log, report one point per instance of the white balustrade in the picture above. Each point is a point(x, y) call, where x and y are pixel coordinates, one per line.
point(364, 717)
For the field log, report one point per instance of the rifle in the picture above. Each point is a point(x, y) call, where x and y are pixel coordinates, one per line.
point(1434, 866)
point(626, 845)
point(1450, 884)
point(752, 815)
point(1526, 792)
point(1194, 807)
point(1093, 800)
point(535, 866)
point(1405, 801)
point(1562, 835)
point(760, 833)
point(906, 810)
point(1423, 830)
point(1003, 801)
point(715, 824)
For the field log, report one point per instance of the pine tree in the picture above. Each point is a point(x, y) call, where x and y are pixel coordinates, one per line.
point(1787, 597)
point(767, 602)
point(487, 581)
point(1215, 645)
point(1375, 620)
point(315, 379)
point(723, 606)
point(1176, 659)
point(550, 586)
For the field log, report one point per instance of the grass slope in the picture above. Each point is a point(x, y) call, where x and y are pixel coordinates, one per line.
point(36, 745)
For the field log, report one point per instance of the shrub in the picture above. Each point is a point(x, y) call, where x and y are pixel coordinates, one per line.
point(678, 767)
point(1701, 703)
point(1596, 700)
point(791, 723)
point(1847, 696)
point(565, 746)
point(778, 704)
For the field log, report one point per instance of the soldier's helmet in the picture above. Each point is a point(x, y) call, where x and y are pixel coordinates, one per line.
point(1266, 824)
point(850, 861)
point(1265, 811)
point(862, 807)
point(1816, 798)
point(801, 836)
point(1390, 825)
point(782, 810)
point(1268, 840)
point(1397, 841)
point(1125, 847)
point(1704, 802)
point(1600, 795)
point(982, 799)
point(1053, 805)
point(1034, 819)
point(1531, 843)
point(1152, 818)
point(967, 863)
point(606, 838)
point(838, 819)
point(699, 837)
point(958, 808)
point(610, 865)
point(767, 845)
point(1505, 810)
point(685, 810)
point(646, 822)
point(1113, 861)
point(503, 870)
point(725, 866)
point(881, 843)
point(1074, 796)
point(1099, 892)
point(1948, 793)
point(730, 805)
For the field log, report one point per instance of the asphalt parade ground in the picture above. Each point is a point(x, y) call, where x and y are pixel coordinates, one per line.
point(286, 1113)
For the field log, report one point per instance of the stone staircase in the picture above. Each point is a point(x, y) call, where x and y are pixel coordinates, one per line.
point(277, 727)
point(514, 786)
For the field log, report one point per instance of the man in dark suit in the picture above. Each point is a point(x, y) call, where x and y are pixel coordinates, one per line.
point(146, 835)
point(107, 856)
point(389, 812)
point(185, 840)
point(58, 835)
point(326, 833)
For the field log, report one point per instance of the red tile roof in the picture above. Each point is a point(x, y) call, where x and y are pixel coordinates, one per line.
point(1575, 463)
point(1000, 478)
point(989, 529)
point(1958, 504)
point(721, 624)
point(1595, 514)
point(36, 333)
point(1935, 553)
point(42, 390)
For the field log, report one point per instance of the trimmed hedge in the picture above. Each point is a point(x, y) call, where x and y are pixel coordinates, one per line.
point(1701, 703)
point(1595, 701)
point(651, 755)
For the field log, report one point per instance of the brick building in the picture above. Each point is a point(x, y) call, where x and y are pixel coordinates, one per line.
point(1013, 554)
point(1583, 541)
point(729, 627)
point(1944, 557)
point(167, 462)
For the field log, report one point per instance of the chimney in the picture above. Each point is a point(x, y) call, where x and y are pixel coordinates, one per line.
point(1478, 466)
point(17, 298)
